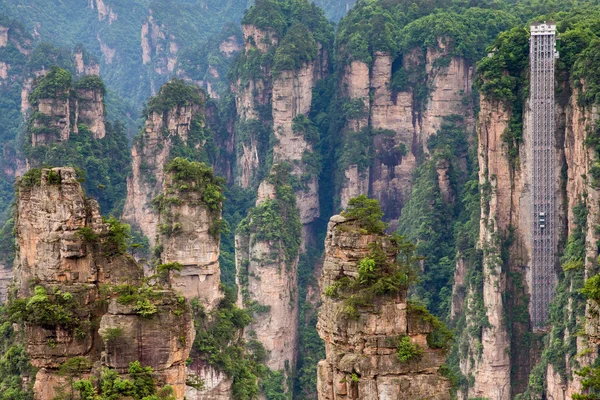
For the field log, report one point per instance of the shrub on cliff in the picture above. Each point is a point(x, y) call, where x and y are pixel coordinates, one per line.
point(366, 213)
point(377, 276)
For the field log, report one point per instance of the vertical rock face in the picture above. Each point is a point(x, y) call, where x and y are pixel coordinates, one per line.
point(400, 122)
point(158, 47)
point(65, 251)
point(90, 111)
point(253, 103)
point(150, 153)
point(266, 273)
point(292, 98)
point(506, 213)
point(361, 354)
point(186, 236)
point(53, 120)
point(57, 112)
point(82, 67)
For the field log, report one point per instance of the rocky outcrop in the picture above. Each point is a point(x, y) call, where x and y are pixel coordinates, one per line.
point(401, 121)
point(362, 360)
point(163, 341)
point(158, 47)
point(66, 251)
point(58, 112)
point(150, 153)
point(82, 67)
point(105, 12)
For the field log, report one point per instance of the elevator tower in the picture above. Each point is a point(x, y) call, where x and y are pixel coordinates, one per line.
point(542, 55)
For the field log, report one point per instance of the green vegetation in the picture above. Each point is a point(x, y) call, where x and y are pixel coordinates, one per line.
point(139, 385)
point(299, 26)
point(167, 269)
point(407, 350)
point(103, 163)
point(276, 220)
point(91, 82)
point(48, 311)
point(366, 213)
point(398, 27)
point(440, 337)
point(432, 220)
point(146, 297)
point(174, 93)
point(217, 342)
point(196, 182)
point(297, 47)
point(14, 362)
point(590, 383)
point(56, 84)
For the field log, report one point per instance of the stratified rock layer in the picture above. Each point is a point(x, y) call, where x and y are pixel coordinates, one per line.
point(62, 247)
point(150, 153)
point(361, 355)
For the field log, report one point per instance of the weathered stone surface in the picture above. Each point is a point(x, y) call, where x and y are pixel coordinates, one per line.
point(53, 254)
point(90, 111)
point(57, 111)
point(408, 128)
point(217, 385)
point(266, 279)
point(150, 153)
point(162, 341)
point(365, 348)
point(192, 245)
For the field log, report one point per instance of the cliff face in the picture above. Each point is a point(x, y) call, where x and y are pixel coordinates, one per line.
point(266, 274)
point(400, 119)
point(362, 360)
point(253, 105)
point(90, 111)
point(186, 236)
point(67, 252)
point(499, 359)
point(291, 102)
point(150, 153)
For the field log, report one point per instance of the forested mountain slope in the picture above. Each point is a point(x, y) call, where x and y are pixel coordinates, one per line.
point(231, 274)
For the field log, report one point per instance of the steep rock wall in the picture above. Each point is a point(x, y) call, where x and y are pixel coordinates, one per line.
point(90, 111)
point(253, 96)
point(267, 283)
point(150, 153)
point(185, 237)
point(70, 266)
point(361, 354)
point(400, 122)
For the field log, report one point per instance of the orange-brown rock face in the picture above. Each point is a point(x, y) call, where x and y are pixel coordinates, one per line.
point(63, 252)
point(401, 123)
point(361, 354)
point(292, 98)
point(150, 153)
point(163, 341)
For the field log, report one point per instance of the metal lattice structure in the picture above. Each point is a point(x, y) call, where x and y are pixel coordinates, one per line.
point(542, 55)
